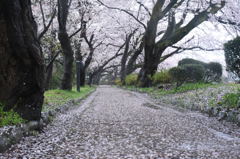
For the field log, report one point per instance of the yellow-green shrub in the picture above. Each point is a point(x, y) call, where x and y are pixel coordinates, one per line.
point(118, 82)
point(161, 77)
point(131, 79)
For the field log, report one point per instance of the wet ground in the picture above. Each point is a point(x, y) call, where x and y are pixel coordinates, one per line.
point(115, 123)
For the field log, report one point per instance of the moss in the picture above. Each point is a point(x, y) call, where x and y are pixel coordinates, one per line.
point(9, 118)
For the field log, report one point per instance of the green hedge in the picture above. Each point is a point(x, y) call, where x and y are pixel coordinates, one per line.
point(187, 73)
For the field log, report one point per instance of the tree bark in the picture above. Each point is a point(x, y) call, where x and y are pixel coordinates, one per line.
point(63, 9)
point(21, 62)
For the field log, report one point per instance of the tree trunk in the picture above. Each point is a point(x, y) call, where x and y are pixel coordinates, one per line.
point(49, 72)
point(63, 7)
point(21, 62)
point(82, 77)
point(147, 71)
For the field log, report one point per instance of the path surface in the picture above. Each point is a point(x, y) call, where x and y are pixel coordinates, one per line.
point(114, 123)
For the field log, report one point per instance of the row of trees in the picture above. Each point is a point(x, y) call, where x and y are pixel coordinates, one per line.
point(70, 30)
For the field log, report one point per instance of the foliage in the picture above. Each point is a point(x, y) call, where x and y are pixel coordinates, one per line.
point(56, 79)
point(118, 82)
point(9, 118)
point(183, 88)
point(161, 77)
point(193, 72)
point(232, 55)
point(57, 97)
point(187, 61)
point(231, 100)
point(178, 75)
point(187, 73)
point(131, 80)
point(213, 72)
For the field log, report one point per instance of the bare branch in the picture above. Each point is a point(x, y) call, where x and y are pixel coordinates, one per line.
point(125, 11)
point(46, 27)
point(52, 60)
point(76, 32)
point(142, 5)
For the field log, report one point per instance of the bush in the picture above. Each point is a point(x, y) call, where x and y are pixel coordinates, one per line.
point(213, 72)
point(118, 82)
point(187, 73)
point(187, 61)
point(178, 75)
point(161, 77)
point(131, 80)
point(9, 118)
point(193, 72)
point(232, 56)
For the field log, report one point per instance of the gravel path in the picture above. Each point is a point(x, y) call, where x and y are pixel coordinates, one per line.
point(114, 123)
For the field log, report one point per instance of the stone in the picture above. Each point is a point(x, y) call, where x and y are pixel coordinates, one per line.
point(222, 115)
point(33, 125)
point(238, 119)
point(4, 143)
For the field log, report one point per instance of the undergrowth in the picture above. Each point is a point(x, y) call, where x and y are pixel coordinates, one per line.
point(9, 118)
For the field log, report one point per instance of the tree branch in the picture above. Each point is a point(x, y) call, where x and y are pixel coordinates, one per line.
point(125, 11)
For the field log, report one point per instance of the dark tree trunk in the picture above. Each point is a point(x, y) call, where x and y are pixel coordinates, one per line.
point(82, 77)
point(63, 8)
point(48, 77)
point(21, 62)
point(147, 71)
point(124, 59)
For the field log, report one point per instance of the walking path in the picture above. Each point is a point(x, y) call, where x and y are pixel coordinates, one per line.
point(114, 123)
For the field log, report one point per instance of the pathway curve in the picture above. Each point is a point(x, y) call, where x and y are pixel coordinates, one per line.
point(114, 123)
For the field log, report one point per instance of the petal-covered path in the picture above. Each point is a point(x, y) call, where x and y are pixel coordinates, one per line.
point(114, 123)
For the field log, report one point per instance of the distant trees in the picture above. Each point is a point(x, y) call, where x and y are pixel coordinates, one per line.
point(21, 62)
point(232, 55)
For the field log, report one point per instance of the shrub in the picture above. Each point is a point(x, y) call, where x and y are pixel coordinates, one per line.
point(9, 118)
point(118, 82)
point(161, 77)
point(232, 56)
point(187, 61)
point(193, 72)
point(178, 74)
point(213, 72)
point(131, 79)
point(187, 73)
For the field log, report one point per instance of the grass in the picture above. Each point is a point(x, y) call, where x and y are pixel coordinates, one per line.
point(9, 118)
point(231, 100)
point(184, 88)
point(55, 98)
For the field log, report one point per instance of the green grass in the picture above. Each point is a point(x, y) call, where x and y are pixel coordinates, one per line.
point(231, 100)
point(9, 118)
point(184, 88)
point(55, 98)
